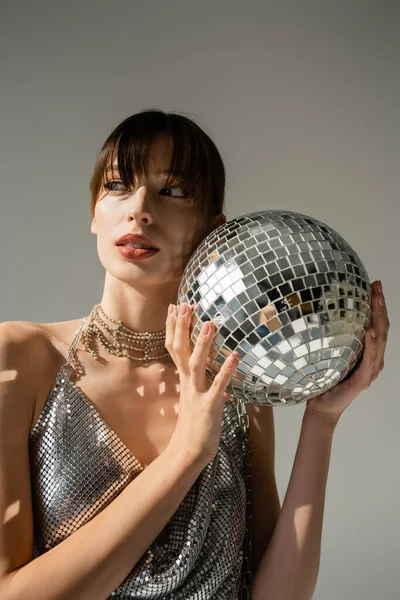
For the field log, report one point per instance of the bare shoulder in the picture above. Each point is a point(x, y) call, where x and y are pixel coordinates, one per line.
point(29, 354)
point(21, 349)
point(37, 336)
point(28, 342)
point(19, 341)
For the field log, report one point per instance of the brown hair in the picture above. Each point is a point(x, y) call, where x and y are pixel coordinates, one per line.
point(194, 157)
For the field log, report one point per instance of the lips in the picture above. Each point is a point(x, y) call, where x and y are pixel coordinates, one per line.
point(135, 238)
point(136, 253)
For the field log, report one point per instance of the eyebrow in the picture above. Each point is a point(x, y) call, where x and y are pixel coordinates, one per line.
point(160, 173)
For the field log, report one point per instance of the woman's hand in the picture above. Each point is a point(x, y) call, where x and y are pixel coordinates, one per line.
point(198, 429)
point(330, 405)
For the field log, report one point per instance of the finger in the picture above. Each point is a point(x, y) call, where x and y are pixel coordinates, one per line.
point(224, 376)
point(170, 325)
point(380, 325)
point(198, 359)
point(180, 342)
point(374, 348)
point(381, 309)
point(365, 372)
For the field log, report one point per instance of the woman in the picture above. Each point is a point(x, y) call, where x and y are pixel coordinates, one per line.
point(122, 469)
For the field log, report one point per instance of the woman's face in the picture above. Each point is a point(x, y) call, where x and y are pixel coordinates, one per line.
point(160, 212)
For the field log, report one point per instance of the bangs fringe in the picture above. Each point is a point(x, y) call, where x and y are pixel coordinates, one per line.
point(195, 161)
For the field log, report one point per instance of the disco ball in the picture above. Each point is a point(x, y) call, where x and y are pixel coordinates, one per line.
point(289, 294)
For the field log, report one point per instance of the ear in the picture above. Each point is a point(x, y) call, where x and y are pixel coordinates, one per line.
point(220, 219)
point(93, 226)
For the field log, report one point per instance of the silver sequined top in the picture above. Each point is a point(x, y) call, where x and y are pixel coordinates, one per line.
point(79, 465)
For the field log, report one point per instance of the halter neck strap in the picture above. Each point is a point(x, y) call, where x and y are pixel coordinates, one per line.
point(75, 341)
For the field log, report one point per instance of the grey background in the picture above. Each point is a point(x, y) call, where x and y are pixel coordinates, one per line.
point(302, 99)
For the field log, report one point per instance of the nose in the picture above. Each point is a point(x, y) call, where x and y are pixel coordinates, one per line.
point(140, 210)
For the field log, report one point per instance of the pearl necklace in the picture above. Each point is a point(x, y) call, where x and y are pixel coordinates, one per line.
point(118, 333)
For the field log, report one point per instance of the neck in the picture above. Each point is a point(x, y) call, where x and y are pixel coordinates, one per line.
point(139, 309)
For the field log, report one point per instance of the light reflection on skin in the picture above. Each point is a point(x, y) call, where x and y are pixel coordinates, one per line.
point(11, 511)
point(9, 375)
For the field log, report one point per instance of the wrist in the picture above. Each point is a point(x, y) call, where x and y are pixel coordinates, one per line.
point(324, 422)
point(185, 459)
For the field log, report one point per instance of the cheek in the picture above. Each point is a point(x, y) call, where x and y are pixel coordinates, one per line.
point(104, 247)
point(182, 232)
point(107, 211)
point(108, 217)
point(107, 220)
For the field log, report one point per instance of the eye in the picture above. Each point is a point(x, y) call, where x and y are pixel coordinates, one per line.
point(172, 191)
point(111, 186)
point(181, 194)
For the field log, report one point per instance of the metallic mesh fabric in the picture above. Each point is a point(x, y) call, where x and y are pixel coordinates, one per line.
point(79, 465)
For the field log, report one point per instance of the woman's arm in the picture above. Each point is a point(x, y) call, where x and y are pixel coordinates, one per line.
point(288, 569)
point(91, 562)
point(289, 566)
point(95, 559)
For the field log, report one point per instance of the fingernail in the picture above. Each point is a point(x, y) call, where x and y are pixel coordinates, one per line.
point(380, 286)
point(373, 334)
point(182, 309)
point(205, 328)
point(381, 302)
point(231, 360)
point(170, 309)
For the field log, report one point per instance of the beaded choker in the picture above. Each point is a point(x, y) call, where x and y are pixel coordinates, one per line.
point(123, 340)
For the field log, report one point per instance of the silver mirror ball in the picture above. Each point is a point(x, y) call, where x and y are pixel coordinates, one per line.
point(289, 294)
